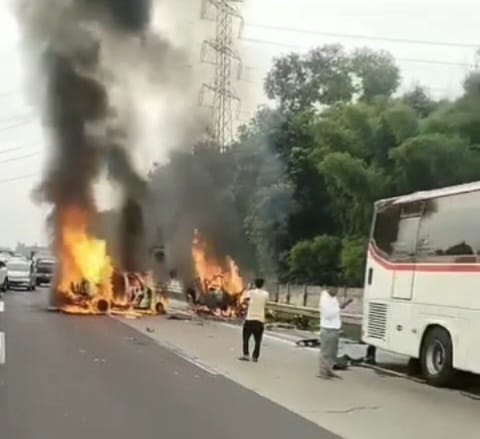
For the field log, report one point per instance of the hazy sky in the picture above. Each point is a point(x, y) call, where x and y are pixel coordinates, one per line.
point(446, 21)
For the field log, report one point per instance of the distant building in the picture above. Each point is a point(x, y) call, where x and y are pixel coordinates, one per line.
point(32, 250)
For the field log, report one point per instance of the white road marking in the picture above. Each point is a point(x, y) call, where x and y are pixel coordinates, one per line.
point(175, 349)
point(2, 348)
point(2, 306)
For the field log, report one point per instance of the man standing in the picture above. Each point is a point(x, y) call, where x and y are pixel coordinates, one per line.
point(255, 320)
point(330, 325)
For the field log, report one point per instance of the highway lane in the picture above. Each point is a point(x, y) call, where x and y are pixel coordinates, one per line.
point(86, 377)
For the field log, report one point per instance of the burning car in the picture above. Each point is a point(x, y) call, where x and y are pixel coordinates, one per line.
point(88, 283)
point(218, 285)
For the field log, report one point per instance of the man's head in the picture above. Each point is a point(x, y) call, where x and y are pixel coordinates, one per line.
point(259, 282)
point(332, 291)
point(173, 274)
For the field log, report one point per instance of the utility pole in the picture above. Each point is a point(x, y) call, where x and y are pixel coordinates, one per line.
point(225, 55)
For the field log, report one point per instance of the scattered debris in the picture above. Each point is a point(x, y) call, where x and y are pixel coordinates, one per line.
point(179, 316)
point(280, 326)
point(151, 330)
point(308, 343)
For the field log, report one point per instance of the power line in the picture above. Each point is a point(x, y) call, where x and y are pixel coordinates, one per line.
point(16, 125)
point(364, 37)
point(411, 60)
point(15, 117)
point(16, 159)
point(16, 148)
point(21, 177)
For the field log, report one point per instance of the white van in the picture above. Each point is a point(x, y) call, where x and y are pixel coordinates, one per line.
point(3, 276)
point(21, 274)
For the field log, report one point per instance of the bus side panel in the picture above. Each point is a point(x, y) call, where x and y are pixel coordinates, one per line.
point(388, 322)
point(451, 300)
point(401, 337)
point(377, 295)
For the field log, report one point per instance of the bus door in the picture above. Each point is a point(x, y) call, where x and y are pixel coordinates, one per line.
point(404, 250)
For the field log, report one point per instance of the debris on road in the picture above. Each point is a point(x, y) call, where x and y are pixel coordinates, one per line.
point(179, 316)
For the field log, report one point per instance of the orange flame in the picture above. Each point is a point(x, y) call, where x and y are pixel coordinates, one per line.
point(215, 274)
point(84, 263)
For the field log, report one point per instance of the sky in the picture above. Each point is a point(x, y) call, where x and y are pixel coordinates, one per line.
point(272, 28)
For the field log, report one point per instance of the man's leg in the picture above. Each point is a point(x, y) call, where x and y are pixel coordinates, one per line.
point(327, 352)
point(324, 368)
point(334, 351)
point(246, 333)
point(257, 334)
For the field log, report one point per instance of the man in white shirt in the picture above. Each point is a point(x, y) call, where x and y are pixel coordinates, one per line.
point(330, 325)
point(255, 320)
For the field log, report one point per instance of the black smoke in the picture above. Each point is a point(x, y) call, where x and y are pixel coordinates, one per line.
point(131, 15)
point(192, 192)
point(87, 135)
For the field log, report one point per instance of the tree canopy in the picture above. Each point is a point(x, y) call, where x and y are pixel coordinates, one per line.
point(303, 175)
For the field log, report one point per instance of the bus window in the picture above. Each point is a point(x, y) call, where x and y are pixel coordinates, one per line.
point(405, 246)
point(449, 229)
point(386, 229)
point(395, 230)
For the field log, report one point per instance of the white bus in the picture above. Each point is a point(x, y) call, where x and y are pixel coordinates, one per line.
point(422, 283)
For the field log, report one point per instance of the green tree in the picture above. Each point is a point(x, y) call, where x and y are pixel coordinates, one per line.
point(353, 186)
point(402, 122)
point(434, 160)
point(378, 74)
point(418, 99)
point(352, 261)
point(316, 261)
point(299, 82)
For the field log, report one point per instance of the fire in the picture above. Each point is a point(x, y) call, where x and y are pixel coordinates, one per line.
point(87, 282)
point(85, 272)
point(215, 277)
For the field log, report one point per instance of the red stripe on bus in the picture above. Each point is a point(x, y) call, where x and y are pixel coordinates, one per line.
point(423, 267)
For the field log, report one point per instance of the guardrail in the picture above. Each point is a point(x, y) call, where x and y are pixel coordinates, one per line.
point(314, 313)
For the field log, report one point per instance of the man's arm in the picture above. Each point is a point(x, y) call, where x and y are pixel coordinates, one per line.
point(346, 303)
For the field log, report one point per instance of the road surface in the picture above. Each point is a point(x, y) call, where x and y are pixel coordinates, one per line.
point(93, 377)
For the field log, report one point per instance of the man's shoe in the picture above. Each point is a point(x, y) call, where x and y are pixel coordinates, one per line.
point(255, 360)
point(324, 376)
point(244, 358)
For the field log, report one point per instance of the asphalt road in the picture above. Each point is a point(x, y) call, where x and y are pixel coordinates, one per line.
point(90, 377)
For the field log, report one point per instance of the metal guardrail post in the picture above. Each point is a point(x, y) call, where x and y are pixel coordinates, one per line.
point(305, 294)
point(277, 292)
point(288, 293)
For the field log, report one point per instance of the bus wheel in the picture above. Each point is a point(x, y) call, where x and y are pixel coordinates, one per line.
point(436, 357)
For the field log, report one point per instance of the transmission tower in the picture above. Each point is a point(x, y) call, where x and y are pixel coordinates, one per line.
point(224, 57)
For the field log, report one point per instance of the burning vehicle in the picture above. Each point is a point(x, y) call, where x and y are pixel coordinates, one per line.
point(102, 65)
point(219, 287)
point(96, 62)
point(88, 283)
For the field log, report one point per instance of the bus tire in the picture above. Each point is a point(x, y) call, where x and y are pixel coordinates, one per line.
point(437, 357)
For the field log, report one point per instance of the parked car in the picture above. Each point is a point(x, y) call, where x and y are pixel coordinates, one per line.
point(45, 270)
point(3, 276)
point(21, 274)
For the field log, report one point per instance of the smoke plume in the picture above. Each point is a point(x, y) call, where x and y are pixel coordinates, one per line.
point(93, 64)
